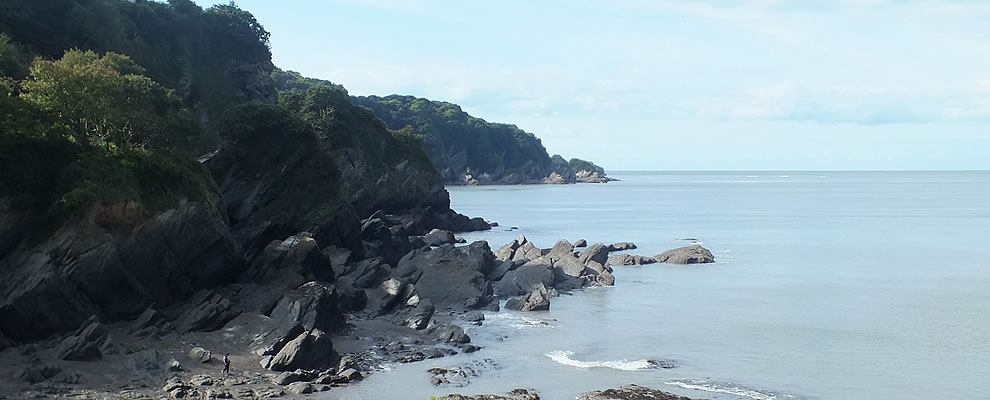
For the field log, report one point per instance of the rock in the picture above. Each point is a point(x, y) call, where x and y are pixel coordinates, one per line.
point(145, 361)
point(630, 392)
point(502, 268)
point(439, 237)
point(150, 321)
point(176, 388)
point(350, 375)
point(537, 300)
point(517, 250)
point(693, 254)
point(515, 394)
point(629, 259)
point(449, 333)
point(299, 388)
point(90, 342)
point(621, 246)
point(37, 372)
point(421, 317)
point(114, 264)
point(298, 254)
point(288, 377)
point(260, 334)
point(605, 279)
point(460, 240)
point(366, 273)
point(594, 268)
point(451, 277)
point(173, 365)
point(384, 298)
point(596, 252)
point(310, 350)
point(314, 305)
point(200, 354)
point(473, 316)
point(201, 380)
point(581, 243)
point(525, 279)
point(206, 311)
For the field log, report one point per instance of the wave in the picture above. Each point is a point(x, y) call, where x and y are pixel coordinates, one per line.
point(564, 357)
point(516, 321)
point(728, 388)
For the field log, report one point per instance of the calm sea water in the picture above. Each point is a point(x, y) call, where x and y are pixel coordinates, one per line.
point(828, 285)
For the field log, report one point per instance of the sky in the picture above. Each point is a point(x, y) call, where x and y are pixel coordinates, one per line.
point(674, 84)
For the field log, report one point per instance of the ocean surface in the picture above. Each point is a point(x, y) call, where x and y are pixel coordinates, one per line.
point(827, 285)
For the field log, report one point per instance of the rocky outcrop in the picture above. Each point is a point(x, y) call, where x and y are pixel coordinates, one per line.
point(621, 246)
point(310, 350)
point(259, 334)
point(693, 254)
point(557, 268)
point(252, 81)
point(630, 392)
point(451, 277)
point(630, 259)
point(314, 305)
point(537, 300)
point(85, 269)
point(206, 311)
point(439, 237)
point(592, 177)
point(90, 342)
point(515, 394)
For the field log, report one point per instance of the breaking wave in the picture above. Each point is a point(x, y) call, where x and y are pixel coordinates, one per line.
point(564, 357)
point(728, 388)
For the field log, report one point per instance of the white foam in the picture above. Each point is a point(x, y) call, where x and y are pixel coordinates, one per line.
point(564, 357)
point(727, 389)
point(516, 321)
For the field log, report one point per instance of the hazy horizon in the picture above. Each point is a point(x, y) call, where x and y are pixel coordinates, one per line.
point(674, 85)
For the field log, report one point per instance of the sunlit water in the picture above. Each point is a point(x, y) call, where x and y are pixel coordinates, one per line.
point(828, 285)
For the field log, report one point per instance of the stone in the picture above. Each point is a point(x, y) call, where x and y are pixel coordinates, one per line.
point(581, 243)
point(201, 380)
point(288, 377)
point(90, 342)
point(629, 259)
point(451, 277)
point(605, 279)
point(515, 394)
point(596, 252)
point(366, 273)
point(145, 361)
point(149, 322)
point(206, 311)
point(299, 388)
point(261, 335)
point(449, 333)
point(621, 246)
point(439, 237)
point(312, 304)
point(174, 365)
point(693, 254)
point(350, 375)
point(537, 300)
point(311, 349)
point(630, 392)
point(37, 372)
point(525, 279)
point(200, 354)
point(422, 315)
point(298, 254)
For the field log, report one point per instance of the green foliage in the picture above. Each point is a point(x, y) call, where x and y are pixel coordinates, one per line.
point(105, 101)
point(578, 165)
point(13, 60)
point(239, 26)
point(446, 130)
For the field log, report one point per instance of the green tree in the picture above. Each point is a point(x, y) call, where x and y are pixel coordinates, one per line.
point(106, 101)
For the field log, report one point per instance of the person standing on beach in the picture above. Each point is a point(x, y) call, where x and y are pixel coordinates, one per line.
point(226, 364)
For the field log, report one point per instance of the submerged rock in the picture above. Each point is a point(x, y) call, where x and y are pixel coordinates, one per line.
point(630, 392)
point(693, 254)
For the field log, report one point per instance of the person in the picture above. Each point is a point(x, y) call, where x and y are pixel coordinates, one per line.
point(226, 364)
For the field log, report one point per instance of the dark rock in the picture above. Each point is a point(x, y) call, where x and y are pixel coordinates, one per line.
point(439, 237)
point(629, 259)
point(37, 372)
point(389, 294)
point(451, 277)
point(90, 342)
point(366, 273)
point(351, 299)
point(596, 252)
point(473, 316)
point(515, 394)
point(298, 254)
point(314, 304)
point(310, 350)
point(420, 319)
point(605, 279)
point(207, 311)
point(151, 321)
point(201, 380)
point(621, 246)
point(145, 361)
point(350, 375)
point(200, 354)
point(537, 300)
point(260, 334)
point(449, 333)
point(693, 254)
point(525, 279)
point(173, 365)
point(630, 392)
point(299, 388)
point(288, 377)
point(581, 243)
point(502, 268)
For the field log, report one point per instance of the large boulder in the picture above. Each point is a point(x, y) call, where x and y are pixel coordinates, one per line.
point(451, 277)
point(439, 237)
point(693, 254)
point(260, 334)
point(90, 342)
point(298, 255)
point(524, 279)
point(621, 246)
point(597, 252)
point(313, 304)
point(206, 311)
point(449, 333)
point(310, 350)
point(537, 300)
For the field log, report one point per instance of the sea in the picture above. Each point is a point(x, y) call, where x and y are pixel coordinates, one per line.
point(826, 285)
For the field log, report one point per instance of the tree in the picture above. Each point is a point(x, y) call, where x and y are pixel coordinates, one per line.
point(240, 25)
point(106, 101)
